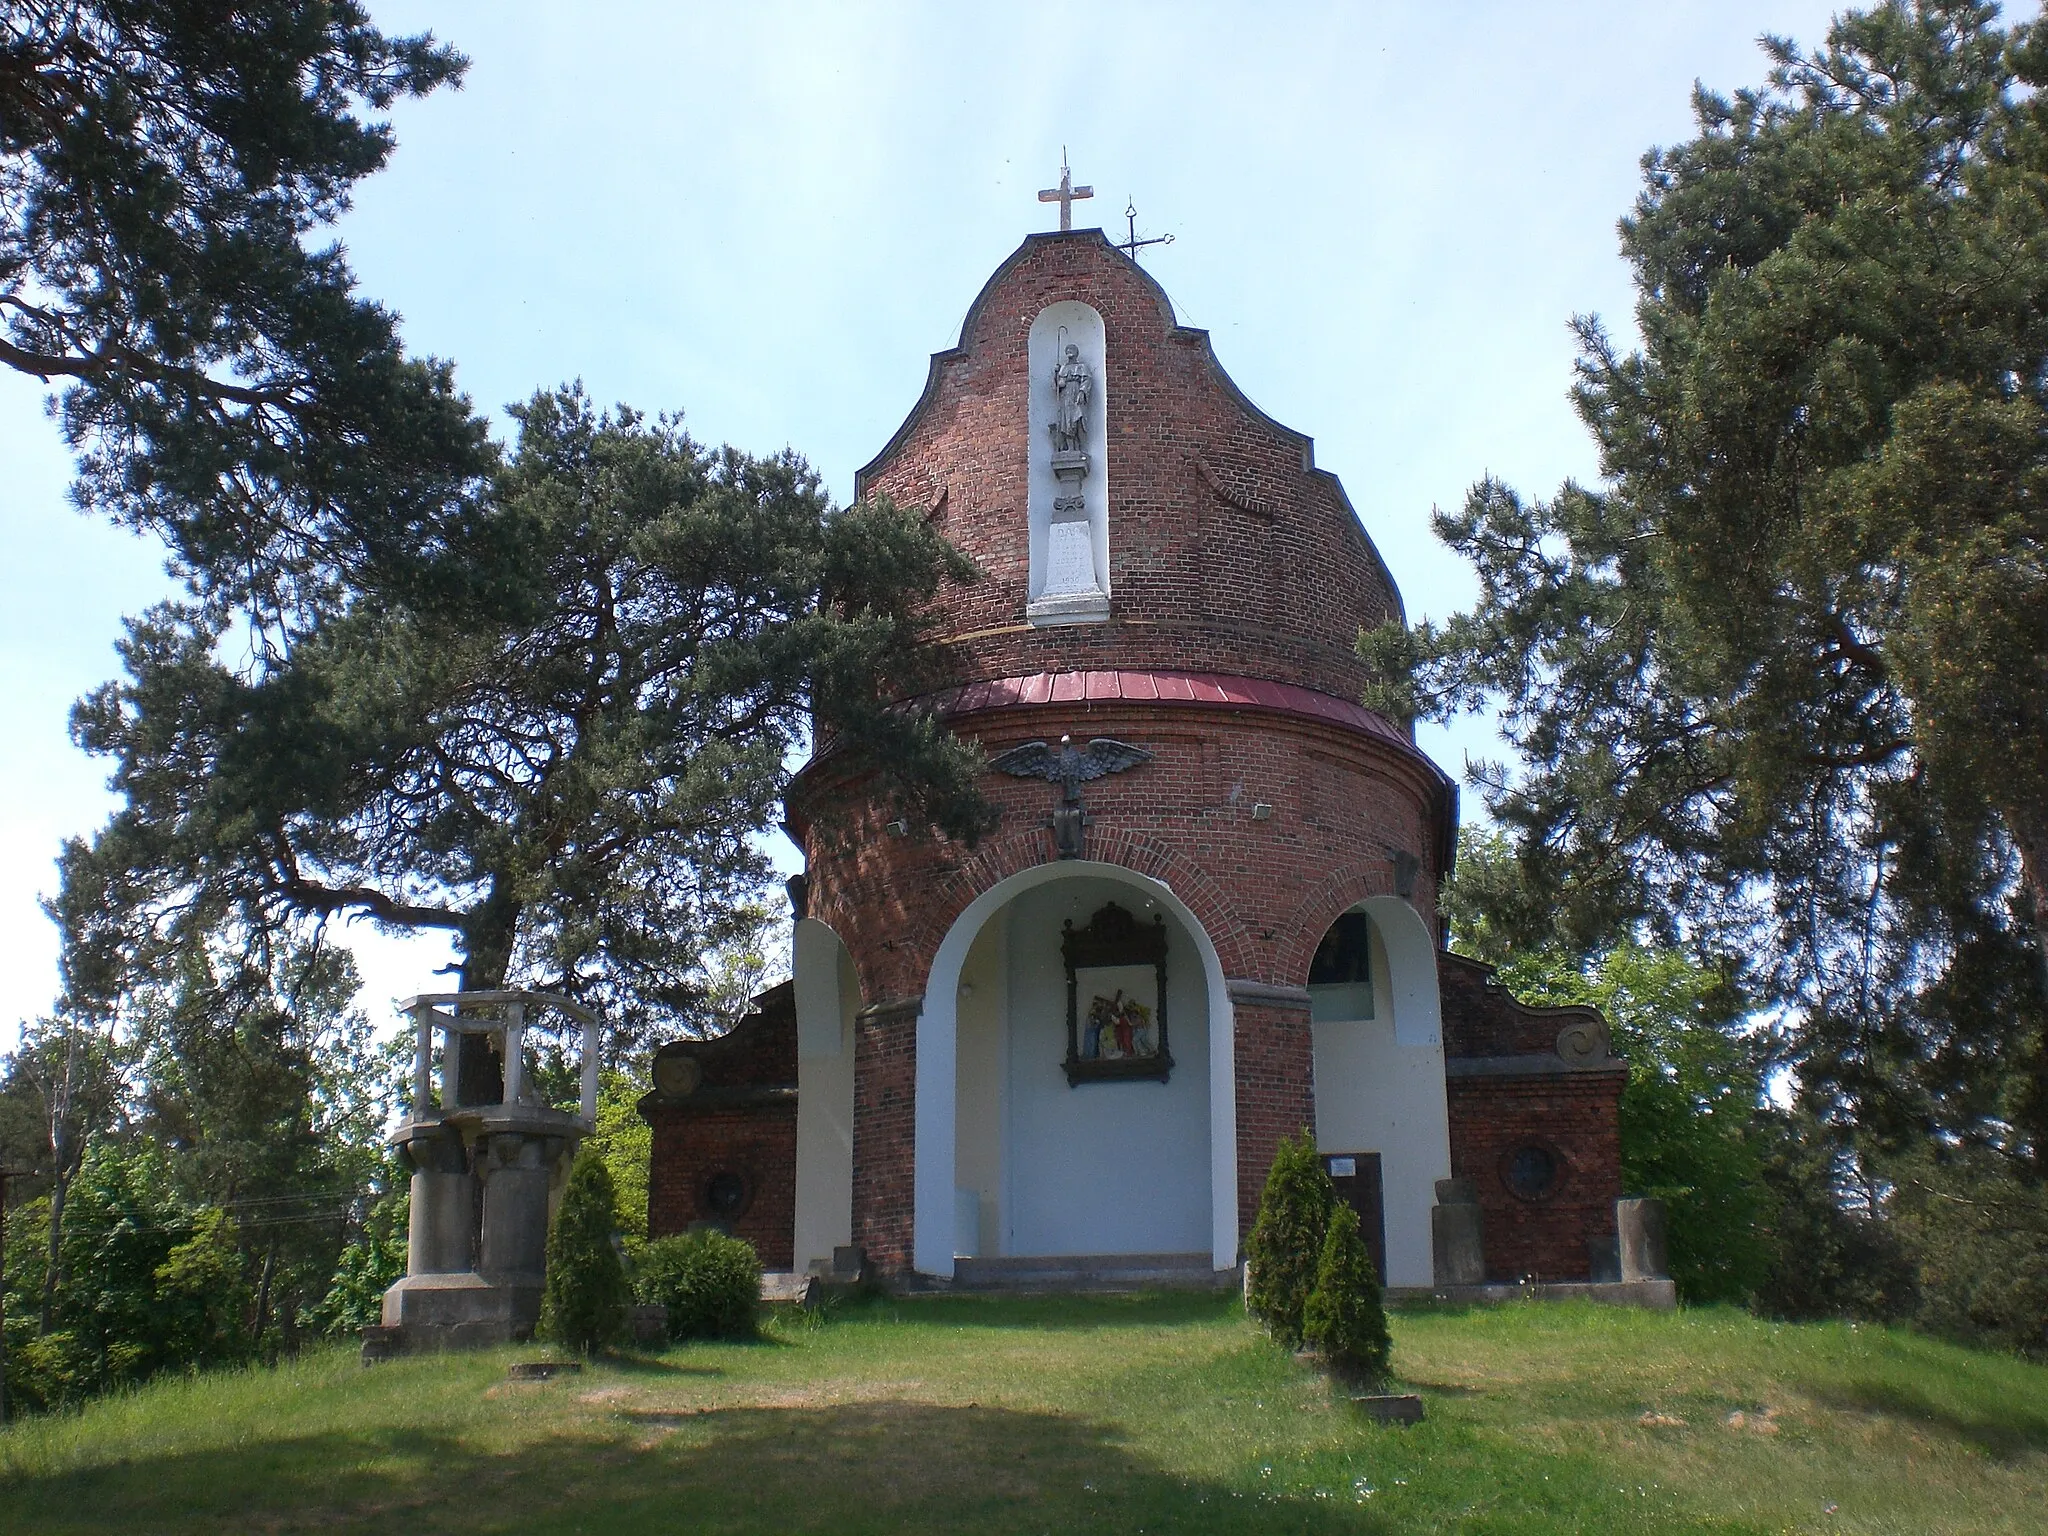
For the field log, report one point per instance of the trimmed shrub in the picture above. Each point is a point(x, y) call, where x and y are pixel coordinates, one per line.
point(584, 1304)
point(1345, 1321)
point(710, 1283)
point(1287, 1240)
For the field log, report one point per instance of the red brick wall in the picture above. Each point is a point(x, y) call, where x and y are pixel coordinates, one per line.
point(1576, 1116)
point(1482, 1018)
point(1264, 890)
point(885, 1133)
point(1275, 1093)
point(692, 1145)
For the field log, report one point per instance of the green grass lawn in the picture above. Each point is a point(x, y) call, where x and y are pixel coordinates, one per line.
point(1064, 1415)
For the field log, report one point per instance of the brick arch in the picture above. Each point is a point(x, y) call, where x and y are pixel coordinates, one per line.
point(999, 858)
point(1337, 893)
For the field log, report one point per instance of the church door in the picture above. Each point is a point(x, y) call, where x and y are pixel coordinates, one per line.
point(1357, 1178)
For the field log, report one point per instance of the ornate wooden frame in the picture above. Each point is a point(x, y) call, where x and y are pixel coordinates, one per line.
point(1114, 937)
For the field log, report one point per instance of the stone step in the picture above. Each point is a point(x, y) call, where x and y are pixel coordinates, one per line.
point(1092, 1272)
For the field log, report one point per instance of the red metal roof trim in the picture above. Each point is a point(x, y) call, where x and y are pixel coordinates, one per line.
point(1195, 688)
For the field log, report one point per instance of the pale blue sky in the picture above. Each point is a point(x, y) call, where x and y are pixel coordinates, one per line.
point(768, 216)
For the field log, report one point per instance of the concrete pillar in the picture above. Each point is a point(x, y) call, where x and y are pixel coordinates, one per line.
point(1457, 1234)
point(441, 1231)
point(515, 1052)
point(1640, 1225)
point(515, 1224)
point(587, 1102)
point(423, 1059)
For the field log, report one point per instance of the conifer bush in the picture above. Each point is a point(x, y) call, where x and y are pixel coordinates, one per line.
point(1345, 1321)
point(710, 1283)
point(584, 1303)
point(1286, 1241)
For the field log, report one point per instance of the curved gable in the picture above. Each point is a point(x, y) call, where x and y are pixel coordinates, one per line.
point(1228, 548)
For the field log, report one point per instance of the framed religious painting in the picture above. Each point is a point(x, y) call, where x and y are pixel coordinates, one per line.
point(1116, 999)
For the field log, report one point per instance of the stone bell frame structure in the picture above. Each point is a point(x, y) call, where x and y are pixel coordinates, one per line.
point(485, 1177)
point(1172, 583)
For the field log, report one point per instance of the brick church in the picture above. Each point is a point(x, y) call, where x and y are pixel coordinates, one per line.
point(1208, 916)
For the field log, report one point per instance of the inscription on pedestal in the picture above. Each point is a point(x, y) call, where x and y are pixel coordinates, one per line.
point(1069, 559)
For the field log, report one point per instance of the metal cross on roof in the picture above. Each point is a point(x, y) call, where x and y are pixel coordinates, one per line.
point(1066, 194)
point(1133, 245)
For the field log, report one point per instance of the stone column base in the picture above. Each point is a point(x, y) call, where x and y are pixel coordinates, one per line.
point(462, 1311)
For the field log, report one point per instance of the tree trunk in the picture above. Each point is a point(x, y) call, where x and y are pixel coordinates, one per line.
point(2031, 834)
point(61, 1141)
point(58, 1184)
point(486, 959)
point(263, 1293)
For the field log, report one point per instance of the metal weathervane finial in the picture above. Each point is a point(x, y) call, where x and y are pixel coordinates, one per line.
point(1133, 245)
point(1066, 194)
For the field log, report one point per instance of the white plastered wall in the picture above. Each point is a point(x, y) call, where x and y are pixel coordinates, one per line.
point(1380, 1085)
point(827, 996)
point(982, 1123)
point(1100, 1168)
point(937, 1164)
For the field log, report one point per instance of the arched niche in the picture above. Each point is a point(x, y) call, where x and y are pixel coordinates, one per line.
point(936, 1211)
point(1069, 582)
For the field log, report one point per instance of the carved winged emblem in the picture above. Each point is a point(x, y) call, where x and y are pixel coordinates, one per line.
point(1067, 765)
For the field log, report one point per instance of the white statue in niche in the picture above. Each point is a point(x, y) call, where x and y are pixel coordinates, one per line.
point(1072, 384)
point(1069, 499)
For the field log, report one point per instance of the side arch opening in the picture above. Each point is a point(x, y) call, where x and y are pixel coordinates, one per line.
point(1382, 1117)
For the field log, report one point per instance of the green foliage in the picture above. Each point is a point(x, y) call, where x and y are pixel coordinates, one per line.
point(203, 1295)
point(371, 1263)
point(1286, 1242)
point(710, 1283)
point(1980, 1237)
point(172, 175)
point(146, 1282)
point(1345, 1320)
point(626, 1143)
point(1834, 1250)
point(584, 1304)
point(1775, 681)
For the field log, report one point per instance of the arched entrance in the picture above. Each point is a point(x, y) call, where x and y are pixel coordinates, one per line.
point(1379, 1072)
point(827, 997)
point(1093, 1167)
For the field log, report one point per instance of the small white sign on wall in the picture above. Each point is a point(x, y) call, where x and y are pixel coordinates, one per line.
point(1343, 1167)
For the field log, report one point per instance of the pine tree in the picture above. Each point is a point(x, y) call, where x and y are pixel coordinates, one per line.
point(571, 790)
point(1287, 1239)
point(584, 1305)
point(173, 174)
point(1775, 680)
point(1344, 1320)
